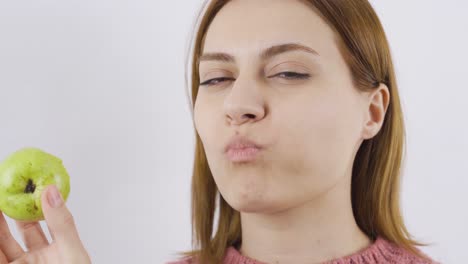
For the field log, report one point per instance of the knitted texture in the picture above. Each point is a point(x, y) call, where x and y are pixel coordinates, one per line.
point(380, 252)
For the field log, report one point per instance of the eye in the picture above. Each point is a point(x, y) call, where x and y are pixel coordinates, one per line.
point(285, 75)
point(292, 75)
point(215, 81)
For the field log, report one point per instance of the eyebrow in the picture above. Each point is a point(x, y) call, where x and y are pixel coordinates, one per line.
point(267, 53)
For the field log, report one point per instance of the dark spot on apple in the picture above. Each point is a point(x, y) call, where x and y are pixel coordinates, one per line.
point(30, 187)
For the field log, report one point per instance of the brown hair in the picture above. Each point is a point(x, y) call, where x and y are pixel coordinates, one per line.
point(376, 170)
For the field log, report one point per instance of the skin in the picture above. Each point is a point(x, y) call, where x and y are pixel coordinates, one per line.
point(294, 199)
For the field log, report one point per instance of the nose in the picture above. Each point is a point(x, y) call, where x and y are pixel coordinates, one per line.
point(239, 114)
point(243, 104)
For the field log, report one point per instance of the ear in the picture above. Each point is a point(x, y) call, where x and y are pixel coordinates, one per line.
point(377, 102)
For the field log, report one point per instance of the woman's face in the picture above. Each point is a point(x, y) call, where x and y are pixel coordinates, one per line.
point(309, 121)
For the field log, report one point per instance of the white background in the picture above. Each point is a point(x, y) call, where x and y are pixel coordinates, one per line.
point(100, 83)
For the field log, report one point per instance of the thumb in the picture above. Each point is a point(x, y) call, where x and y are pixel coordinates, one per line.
point(59, 219)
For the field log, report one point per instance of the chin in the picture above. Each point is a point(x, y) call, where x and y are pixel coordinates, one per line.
point(252, 203)
point(248, 191)
point(248, 208)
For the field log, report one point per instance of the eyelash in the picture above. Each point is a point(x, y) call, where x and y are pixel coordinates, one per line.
point(292, 76)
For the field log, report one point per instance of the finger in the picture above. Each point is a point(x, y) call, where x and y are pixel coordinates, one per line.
point(32, 258)
point(3, 258)
point(32, 234)
point(59, 219)
point(8, 245)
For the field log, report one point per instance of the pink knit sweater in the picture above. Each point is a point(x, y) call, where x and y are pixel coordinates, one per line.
point(380, 252)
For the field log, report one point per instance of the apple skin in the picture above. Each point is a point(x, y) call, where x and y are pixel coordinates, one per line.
point(23, 176)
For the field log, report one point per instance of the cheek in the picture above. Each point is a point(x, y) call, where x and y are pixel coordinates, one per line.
point(202, 122)
point(205, 127)
point(321, 137)
point(208, 128)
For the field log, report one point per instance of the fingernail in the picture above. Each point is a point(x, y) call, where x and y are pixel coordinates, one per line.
point(54, 197)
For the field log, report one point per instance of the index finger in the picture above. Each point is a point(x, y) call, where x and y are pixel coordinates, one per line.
point(33, 236)
point(8, 245)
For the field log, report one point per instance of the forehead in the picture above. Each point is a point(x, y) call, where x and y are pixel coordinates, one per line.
point(248, 26)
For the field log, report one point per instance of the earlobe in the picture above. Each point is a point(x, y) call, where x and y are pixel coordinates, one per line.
point(378, 102)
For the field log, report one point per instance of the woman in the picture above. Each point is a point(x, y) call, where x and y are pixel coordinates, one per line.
point(300, 136)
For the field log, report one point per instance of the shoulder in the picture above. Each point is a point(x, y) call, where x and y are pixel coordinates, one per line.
point(399, 255)
point(384, 251)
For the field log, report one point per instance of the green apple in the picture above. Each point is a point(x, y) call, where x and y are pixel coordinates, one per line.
point(23, 176)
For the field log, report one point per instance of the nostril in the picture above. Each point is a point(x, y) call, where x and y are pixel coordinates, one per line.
point(250, 115)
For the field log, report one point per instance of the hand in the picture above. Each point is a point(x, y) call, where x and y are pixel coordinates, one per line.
point(65, 248)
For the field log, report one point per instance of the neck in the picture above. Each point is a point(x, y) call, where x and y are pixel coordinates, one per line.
point(319, 230)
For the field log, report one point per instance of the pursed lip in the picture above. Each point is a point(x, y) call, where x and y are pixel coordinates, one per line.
point(241, 142)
